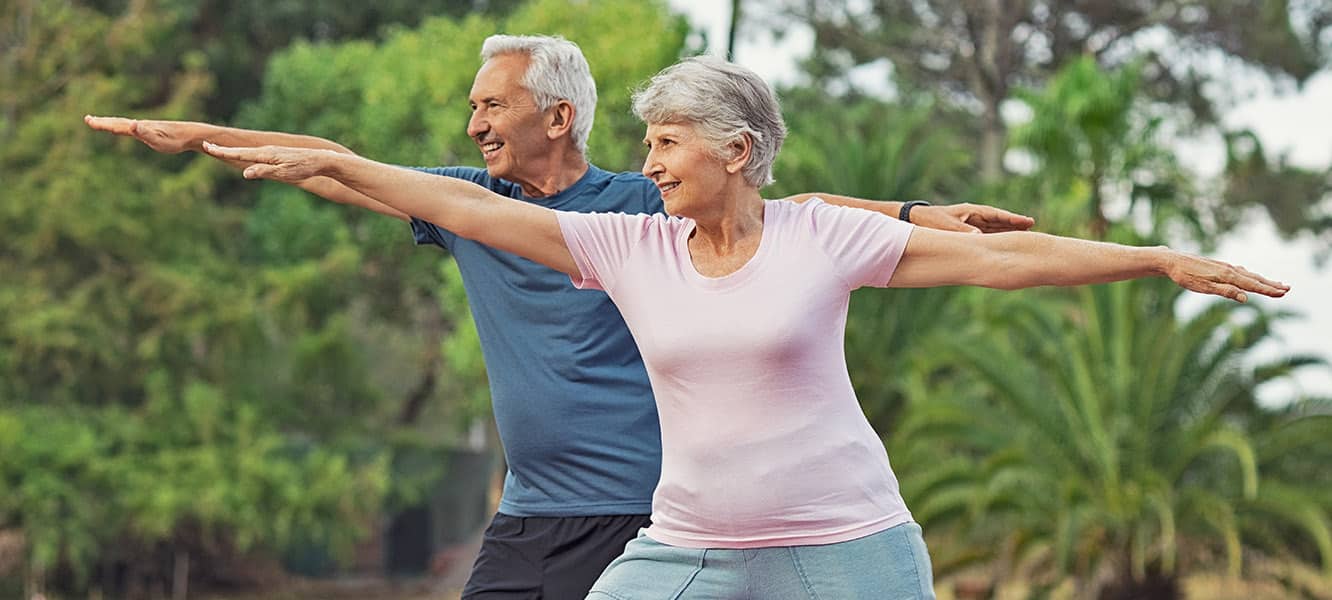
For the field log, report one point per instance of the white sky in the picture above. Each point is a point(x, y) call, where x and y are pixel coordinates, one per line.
point(1298, 124)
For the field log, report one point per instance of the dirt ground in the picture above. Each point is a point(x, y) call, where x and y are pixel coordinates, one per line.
point(365, 589)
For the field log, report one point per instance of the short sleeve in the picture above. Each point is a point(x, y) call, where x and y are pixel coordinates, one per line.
point(601, 244)
point(428, 234)
point(864, 246)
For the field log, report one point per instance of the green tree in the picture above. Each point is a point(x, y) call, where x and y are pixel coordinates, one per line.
point(980, 51)
point(1123, 441)
point(872, 149)
point(404, 101)
point(1096, 145)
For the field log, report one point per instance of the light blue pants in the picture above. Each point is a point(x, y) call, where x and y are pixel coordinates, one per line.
point(890, 565)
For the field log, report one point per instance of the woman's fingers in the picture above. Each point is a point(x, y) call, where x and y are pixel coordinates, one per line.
point(246, 154)
point(270, 162)
point(261, 171)
point(1215, 288)
point(1208, 276)
point(1233, 282)
point(1244, 279)
point(1263, 281)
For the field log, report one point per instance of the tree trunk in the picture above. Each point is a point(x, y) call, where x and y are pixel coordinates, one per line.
point(992, 145)
point(989, 82)
point(431, 356)
point(180, 577)
point(735, 26)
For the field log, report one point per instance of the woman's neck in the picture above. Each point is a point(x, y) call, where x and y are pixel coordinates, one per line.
point(736, 218)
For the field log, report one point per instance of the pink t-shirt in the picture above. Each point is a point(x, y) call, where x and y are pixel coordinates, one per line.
point(763, 441)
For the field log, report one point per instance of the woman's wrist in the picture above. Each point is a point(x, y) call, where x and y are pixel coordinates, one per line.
point(1160, 258)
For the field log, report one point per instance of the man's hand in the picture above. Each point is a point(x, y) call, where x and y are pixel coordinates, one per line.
point(167, 137)
point(970, 218)
point(279, 163)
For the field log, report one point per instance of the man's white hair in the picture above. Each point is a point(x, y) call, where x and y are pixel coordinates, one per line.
point(557, 71)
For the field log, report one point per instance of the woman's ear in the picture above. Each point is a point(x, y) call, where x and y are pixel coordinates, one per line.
point(740, 149)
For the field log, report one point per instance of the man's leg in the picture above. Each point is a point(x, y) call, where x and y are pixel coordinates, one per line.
point(508, 565)
point(580, 548)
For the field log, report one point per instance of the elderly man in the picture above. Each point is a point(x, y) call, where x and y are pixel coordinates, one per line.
point(571, 397)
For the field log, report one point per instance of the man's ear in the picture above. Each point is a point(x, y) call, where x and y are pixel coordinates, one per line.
point(740, 149)
point(560, 119)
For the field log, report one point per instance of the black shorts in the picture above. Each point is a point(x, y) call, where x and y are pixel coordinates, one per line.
point(547, 558)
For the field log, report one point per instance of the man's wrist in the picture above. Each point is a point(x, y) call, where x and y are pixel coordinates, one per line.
point(198, 133)
point(336, 165)
point(904, 214)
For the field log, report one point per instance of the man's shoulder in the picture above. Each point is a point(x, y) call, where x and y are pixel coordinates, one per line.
point(450, 171)
point(630, 192)
point(475, 175)
point(634, 180)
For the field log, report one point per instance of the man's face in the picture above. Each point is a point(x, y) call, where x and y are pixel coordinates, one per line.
point(506, 123)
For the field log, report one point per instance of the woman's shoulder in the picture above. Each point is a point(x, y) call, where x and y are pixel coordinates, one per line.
point(802, 215)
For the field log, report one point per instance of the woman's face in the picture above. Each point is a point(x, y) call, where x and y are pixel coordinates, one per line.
point(684, 167)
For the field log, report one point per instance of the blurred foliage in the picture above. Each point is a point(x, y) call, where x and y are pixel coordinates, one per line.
point(1098, 147)
point(1126, 445)
point(190, 362)
point(320, 335)
point(977, 55)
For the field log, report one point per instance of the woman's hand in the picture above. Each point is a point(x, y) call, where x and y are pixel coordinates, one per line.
point(1207, 276)
point(279, 163)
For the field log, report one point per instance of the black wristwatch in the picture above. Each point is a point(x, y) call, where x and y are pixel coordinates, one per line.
point(905, 214)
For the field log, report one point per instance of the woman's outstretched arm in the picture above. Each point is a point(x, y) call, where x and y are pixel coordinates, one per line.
point(1023, 259)
point(468, 210)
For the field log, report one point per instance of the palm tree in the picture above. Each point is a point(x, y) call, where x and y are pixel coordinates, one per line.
point(1099, 442)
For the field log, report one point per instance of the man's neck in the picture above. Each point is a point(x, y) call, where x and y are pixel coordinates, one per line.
point(558, 175)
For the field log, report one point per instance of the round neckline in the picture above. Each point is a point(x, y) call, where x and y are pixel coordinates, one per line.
point(557, 199)
point(734, 278)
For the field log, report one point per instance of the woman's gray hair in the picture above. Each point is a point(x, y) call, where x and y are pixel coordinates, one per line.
point(722, 101)
point(557, 71)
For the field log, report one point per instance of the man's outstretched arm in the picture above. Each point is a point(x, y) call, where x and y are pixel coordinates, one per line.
point(966, 218)
point(174, 137)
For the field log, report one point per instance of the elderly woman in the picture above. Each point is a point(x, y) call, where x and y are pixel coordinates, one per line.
point(773, 484)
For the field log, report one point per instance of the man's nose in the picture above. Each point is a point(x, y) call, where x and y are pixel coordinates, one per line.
point(477, 124)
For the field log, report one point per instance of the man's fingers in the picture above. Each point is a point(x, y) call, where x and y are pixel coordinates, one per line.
point(989, 219)
point(944, 218)
point(116, 125)
point(998, 217)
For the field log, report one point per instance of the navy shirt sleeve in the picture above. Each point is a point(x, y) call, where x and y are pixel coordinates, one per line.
point(427, 233)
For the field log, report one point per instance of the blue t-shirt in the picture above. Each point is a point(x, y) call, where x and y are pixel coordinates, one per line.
point(571, 397)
